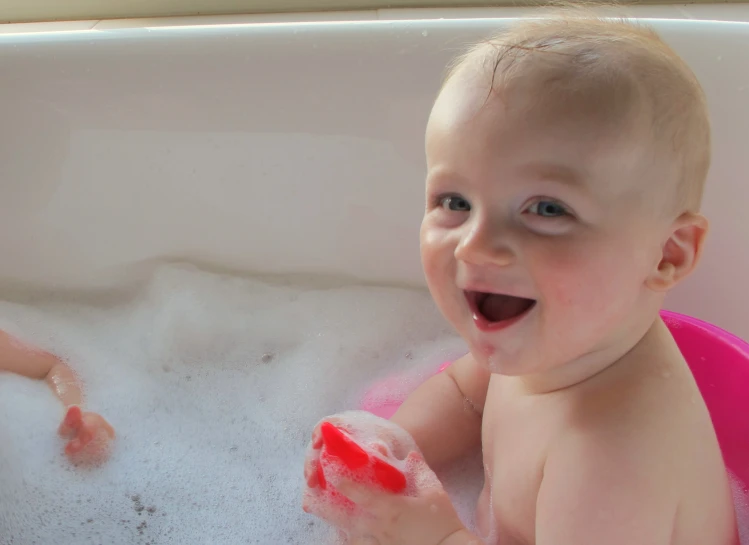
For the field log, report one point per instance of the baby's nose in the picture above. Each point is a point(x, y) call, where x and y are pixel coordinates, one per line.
point(483, 245)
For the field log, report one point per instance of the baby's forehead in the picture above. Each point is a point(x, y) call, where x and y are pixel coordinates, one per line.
point(610, 160)
point(468, 108)
point(615, 80)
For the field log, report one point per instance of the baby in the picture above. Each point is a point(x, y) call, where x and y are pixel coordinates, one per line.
point(566, 160)
point(88, 434)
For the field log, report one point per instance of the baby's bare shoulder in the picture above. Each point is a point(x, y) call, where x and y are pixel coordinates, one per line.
point(616, 460)
point(604, 486)
point(650, 402)
point(640, 447)
point(628, 430)
point(633, 421)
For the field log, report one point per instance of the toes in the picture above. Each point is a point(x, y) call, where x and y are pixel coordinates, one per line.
point(74, 446)
point(97, 426)
point(80, 442)
point(86, 435)
point(72, 421)
point(74, 416)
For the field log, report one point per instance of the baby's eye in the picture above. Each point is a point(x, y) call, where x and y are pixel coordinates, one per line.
point(455, 203)
point(548, 209)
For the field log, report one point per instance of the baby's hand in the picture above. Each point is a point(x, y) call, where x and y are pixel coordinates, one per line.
point(366, 476)
point(390, 442)
point(89, 435)
point(320, 496)
point(429, 518)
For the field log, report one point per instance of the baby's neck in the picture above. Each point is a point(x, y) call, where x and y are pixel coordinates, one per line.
point(592, 364)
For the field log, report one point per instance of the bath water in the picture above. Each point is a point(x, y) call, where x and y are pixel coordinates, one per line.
point(213, 384)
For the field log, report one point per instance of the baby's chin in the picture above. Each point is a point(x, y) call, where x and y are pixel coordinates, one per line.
point(496, 362)
point(511, 357)
point(507, 367)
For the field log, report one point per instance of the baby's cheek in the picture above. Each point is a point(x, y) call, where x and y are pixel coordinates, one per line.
point(437, 251)
point(573, 287)
point(433, 273)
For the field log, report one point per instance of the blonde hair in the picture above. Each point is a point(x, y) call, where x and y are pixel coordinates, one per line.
point(610, 69)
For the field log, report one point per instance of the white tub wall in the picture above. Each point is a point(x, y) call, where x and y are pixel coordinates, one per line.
point(16, 11)
point(282, 148)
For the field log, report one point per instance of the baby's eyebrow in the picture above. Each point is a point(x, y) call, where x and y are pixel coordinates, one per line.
point(557, 172)
point(439, 176)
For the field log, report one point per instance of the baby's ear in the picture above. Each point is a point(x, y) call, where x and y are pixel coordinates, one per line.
point(681, 252)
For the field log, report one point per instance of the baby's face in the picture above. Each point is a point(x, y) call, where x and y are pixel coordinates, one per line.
point(550, 216)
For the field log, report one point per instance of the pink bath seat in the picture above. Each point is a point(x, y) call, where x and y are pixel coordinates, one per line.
point(385, 396)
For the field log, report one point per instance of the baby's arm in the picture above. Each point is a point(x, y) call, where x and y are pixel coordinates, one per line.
point(443, 415)
point(82, 428)
point(597, 489)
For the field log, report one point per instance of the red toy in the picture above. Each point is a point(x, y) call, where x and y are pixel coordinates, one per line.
point(365, 449)
point(340, 450)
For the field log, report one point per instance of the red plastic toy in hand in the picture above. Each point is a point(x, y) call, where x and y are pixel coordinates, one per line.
point(340, 449)
point(365, 449)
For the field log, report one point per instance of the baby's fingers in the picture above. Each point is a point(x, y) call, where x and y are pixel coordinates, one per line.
point(312, 472)
point(317, 438)
point(366, 497)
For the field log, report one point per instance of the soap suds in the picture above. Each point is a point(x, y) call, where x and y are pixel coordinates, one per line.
point(213, 385)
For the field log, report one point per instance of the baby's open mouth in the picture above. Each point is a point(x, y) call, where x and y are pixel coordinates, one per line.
point(494, 309)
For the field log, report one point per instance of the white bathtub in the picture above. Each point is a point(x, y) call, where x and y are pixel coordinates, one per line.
point(129, 142)
point(265, 145)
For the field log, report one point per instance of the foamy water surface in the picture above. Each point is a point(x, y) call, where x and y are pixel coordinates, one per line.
point(213, 384)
